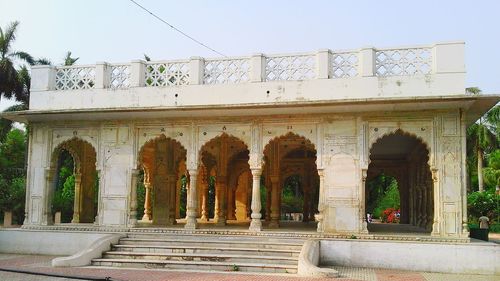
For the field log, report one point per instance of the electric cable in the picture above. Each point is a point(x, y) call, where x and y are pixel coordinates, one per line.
point(178, 30)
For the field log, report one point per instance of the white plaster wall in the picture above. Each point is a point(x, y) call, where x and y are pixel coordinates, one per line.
point(342, 143)
point(252, 93)
point(60, 243)
point(341, 170)
point(115, 160)
point(473, 258)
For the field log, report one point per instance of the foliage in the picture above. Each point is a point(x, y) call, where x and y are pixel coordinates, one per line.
point(183, 195)
point(383, 193)
point(68, 60)
point(483, 203)
point(482, 139)
point(14, 82)
point(141, 195)
point(390, 215)
point(495, 227)
point(64, 194)
point(292, 197)
point(12, 178)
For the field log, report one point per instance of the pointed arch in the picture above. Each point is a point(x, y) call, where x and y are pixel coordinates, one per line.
point(407, 158)
point(85, 185)
point(160, 158)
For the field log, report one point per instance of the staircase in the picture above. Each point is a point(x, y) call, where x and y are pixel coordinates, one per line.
point(200, 252)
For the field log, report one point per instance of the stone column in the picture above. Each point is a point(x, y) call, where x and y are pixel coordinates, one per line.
point(275, 208)
point(49, 195)
point(221, 202)
point(171, 186)
point(362, 202)
point(147, 202)
point(204, 203)
point(192, 201)
point(133, 198)
point(321, 202)
point(256, 224)
point(78, 195)
point(435, 189)
point(231, 208)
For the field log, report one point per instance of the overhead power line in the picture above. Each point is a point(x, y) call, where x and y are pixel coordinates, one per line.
point(176, 29)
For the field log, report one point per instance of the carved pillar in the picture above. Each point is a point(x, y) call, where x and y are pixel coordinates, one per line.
point(133, 198)
point(204, 201)
point(78, 194)
point(230, 203)
point(362, 202)
point(147, 202)
point(256, 224)
point(171, 185)
point(192, 203)
point(268, 196)
point(306, 189)
point(47, 218)
point(275, 207)
point(321, 201)
point(221, 202)
point(435, 189)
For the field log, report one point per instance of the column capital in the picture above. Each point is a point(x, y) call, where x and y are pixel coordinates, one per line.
point(256, 172)
point(193, 172)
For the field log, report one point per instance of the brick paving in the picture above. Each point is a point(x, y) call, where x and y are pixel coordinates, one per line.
point(41, 264)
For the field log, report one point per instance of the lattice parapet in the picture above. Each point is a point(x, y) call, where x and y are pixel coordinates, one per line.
point(297, 67)
point(399, 62)
point(167, 74)
point(226, 71)
point(75, 77)
point(344, 65)
point(119, 76)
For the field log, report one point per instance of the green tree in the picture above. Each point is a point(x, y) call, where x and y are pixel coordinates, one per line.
point(14, 82)
point(68, 60)
point(12, 174)
point(481, 139)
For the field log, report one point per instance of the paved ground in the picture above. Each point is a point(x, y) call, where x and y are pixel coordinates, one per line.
point(41, 265)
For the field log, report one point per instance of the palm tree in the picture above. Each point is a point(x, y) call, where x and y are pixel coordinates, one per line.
point(9, 82)
point(481, 139)
point(14, 83)
point(68, 60)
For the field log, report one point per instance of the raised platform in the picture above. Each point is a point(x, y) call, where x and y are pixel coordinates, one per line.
point(287, 230)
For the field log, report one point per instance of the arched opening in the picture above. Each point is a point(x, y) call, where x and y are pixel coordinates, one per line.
point(292, 180)
point(224, 164)
point(399, 168)
point(75, 184)
point(383, 204)
point(161, 160)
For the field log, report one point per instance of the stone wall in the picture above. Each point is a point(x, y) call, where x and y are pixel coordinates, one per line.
point(342, 144)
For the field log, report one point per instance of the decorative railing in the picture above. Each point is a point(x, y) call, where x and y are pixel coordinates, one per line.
point(291, 67)
point(75, 78)
point(119, 76)
point(397, 62)
point(226, 71)
point(166, 74)
point(324, 64)
point(344, 65)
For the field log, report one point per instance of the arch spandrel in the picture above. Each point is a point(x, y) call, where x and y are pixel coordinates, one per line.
point(59, 139)
point(213, 142)
point(180, 135)
point(308, 132)
point(205, 135)
point(68, 146)
point(145, 151)
point(422, 134)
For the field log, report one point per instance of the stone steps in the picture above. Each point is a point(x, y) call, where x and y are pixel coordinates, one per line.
point(222, 244)
point(205, 250)
point(232, 258)
point(197, 265)
point(204, 253)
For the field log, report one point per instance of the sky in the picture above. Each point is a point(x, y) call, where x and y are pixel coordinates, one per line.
point(119, 31)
